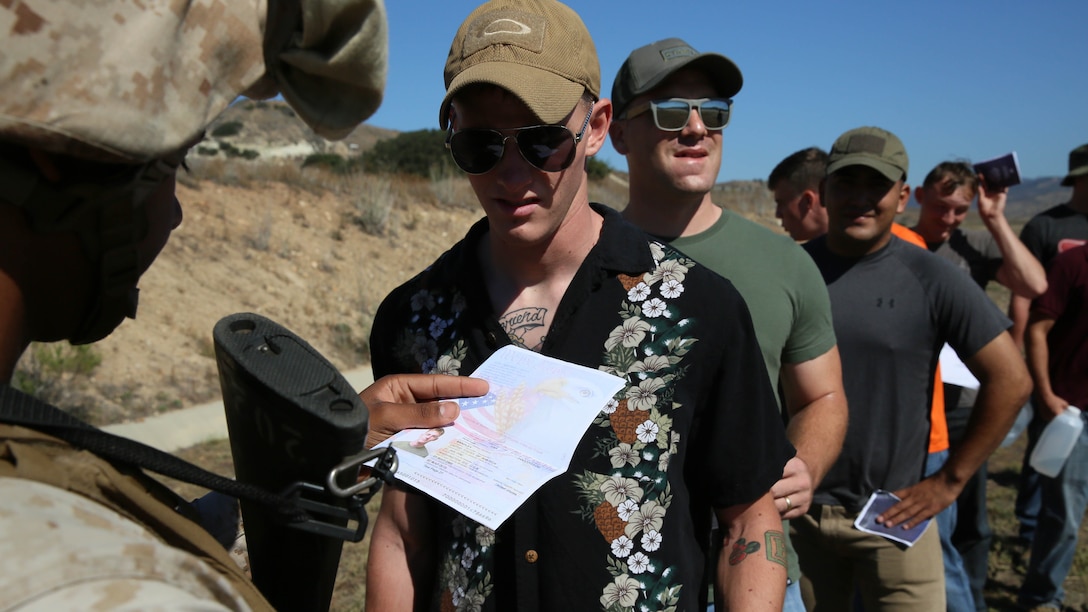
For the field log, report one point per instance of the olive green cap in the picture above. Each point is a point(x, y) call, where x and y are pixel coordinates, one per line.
point(650, 65)
point(1078, 165)
point(874, 147)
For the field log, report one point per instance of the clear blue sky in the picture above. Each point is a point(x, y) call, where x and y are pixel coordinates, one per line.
point(953, 79)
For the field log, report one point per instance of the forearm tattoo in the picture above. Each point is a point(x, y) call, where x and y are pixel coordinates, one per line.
point(741, 549)
point(775, 548)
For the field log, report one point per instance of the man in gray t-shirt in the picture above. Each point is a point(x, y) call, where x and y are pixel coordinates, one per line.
point(893, 307)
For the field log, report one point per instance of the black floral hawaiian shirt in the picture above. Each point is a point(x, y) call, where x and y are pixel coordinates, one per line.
point(627, 527)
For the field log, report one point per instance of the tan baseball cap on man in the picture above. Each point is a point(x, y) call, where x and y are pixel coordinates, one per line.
point(1078, 165)
point(538, 50)
point(874, 147)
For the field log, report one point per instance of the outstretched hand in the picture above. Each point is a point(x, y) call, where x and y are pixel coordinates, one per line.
point(415, 401)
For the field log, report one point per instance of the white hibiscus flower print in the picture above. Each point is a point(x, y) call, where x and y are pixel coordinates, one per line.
point(625, 509)
point(447, 365)
point(458, 595)
point(639, 292)
point(622, 546)
point(638, 563)
point(652, 363)
point(650, 516)
point(654, 308)
point(651, 540)
point(485, 536)
point(623, 591)
point(647, 431)
point(657, 251)
point(644, 396)
point(630, 334)
point(467, 558)
point(672, 288)
point(618, 489)
point(611, 406)
point(473, 602)
point(623, 454)
point(670, 270)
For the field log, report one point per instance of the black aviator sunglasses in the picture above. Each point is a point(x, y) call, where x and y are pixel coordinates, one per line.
point(546, 147)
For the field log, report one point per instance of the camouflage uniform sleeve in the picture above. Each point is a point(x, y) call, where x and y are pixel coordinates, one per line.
point(85, 556)
point(132, 81)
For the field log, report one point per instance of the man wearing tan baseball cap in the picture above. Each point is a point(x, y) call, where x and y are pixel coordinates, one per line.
point(696, 429)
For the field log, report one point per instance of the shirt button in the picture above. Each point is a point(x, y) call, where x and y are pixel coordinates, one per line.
point(492, 341)
point(531, 556)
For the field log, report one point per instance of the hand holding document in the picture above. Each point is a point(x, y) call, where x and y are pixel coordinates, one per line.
point(879, 502)
point(1000, 172)
point(508, 443)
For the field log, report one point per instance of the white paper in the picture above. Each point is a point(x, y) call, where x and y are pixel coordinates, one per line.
point(508, 443)
point(878, 502)
point(954, 371)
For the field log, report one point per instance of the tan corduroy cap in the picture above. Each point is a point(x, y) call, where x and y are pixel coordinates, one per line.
point(538, 50)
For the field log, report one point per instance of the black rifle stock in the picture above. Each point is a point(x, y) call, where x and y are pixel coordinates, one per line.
point(291, 418)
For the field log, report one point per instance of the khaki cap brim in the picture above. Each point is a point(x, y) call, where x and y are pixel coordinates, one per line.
point(549, 96)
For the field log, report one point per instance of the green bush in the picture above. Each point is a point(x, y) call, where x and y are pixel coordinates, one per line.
point(50, 371)
point(230, 128)
point(232, 151)
point(330, 161)
point(418, 152)
point(597, 169)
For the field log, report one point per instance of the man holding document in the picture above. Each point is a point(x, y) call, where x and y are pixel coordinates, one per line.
point(694, 427)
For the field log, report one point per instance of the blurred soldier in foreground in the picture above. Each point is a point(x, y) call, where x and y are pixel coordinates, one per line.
point(97, 110)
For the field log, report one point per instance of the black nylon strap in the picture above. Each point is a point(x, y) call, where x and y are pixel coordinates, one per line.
point(18, 408)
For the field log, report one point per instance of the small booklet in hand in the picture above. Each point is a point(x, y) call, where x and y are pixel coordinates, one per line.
point(1000, 172)
point(878, 502)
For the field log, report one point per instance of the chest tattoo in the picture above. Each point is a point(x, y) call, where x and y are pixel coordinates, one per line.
point(526, 326)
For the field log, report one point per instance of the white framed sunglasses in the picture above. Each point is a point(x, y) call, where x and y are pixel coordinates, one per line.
point(673, 114)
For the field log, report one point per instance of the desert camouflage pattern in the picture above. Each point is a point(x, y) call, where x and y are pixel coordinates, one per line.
point(88, 557)
point(131, 80)
point(78, 534)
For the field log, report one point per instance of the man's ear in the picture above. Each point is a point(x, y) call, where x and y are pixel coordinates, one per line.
point(904, 197)
point(920, 194)
point(616, 133)
point(599, 123)
point(805, 202)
